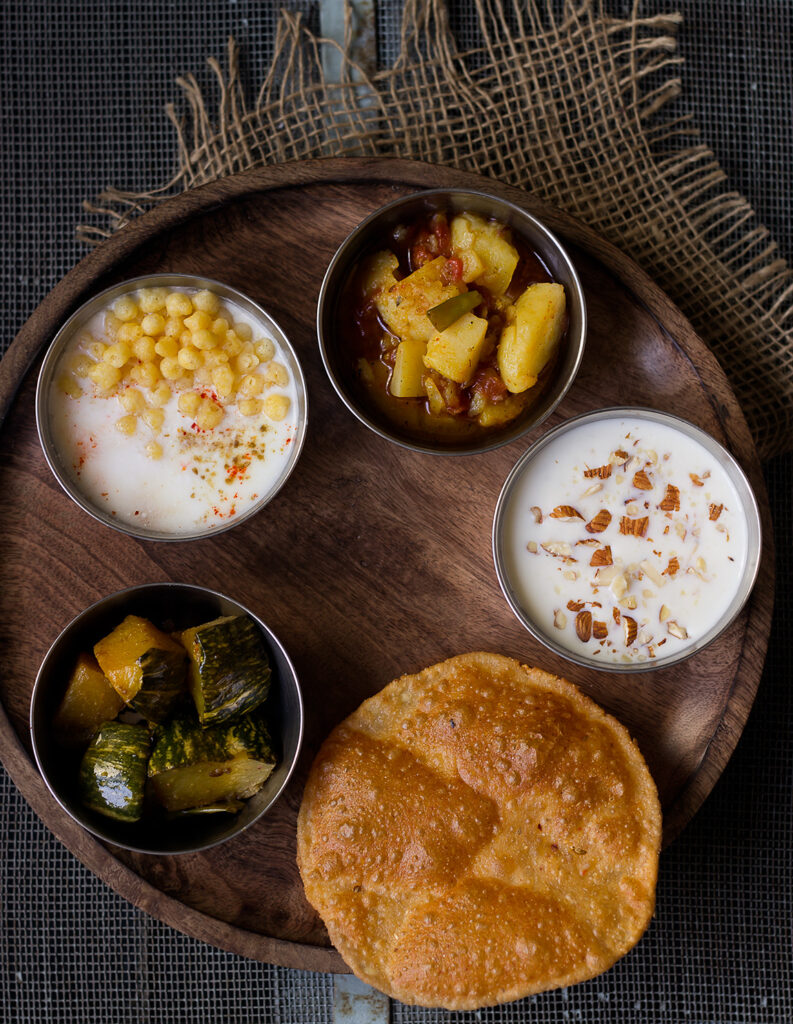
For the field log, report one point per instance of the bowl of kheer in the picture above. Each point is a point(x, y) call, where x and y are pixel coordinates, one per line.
point(171, 407)
point(451, 322)
point(626, 539)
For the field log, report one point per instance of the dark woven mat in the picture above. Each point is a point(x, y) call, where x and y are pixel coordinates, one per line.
point(82, 91)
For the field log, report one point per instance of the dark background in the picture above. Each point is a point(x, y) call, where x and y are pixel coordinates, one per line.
point(83, 86)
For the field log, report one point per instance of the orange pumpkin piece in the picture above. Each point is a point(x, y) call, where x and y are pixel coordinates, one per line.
point(88, 703)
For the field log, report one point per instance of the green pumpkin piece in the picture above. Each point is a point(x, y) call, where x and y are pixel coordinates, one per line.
point(193, 767)
point(229, 671)
point(113, 771)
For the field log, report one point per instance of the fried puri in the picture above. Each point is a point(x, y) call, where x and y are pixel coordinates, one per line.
point(479, 832)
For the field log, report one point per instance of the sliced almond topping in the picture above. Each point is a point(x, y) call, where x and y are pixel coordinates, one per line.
point(532, 547)
point(599, 630)
point(681, 531)
point(643, 637)
point(566, 513)
point(619, 585)
point(696, 481)
point(615, 614)
point(652, 457)
point(583, 625)
point(599, 522)
point(603, 472)
point(632, 508)
point(676, 630)
point(634, 527)
point(559, 549)
point(575, 606)
point(606, 574)
point(629, 602)
point(673, 568)
point(619, 457)
point(559, 619)
point(652, 572)
point(714, 511)
point(589, 542)
point(671, 499)
point(592, 489)
point(601, 557)
point(536, 511)
point(664, 613)
point(699, 568)
point(570, 574)
point(630, 628)
point(641, 481)
point(647, 594)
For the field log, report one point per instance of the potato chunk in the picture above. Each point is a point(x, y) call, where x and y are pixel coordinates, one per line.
point(479, 242)
point(463, 248)
point(494, 414)
point(404, 305)
point(379, 273)
point(408, 370)
point(455, 352)
point(527, 344)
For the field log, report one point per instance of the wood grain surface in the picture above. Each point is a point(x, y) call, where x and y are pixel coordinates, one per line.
point(372, 561)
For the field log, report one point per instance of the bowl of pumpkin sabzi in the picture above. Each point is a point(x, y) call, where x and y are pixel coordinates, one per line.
point(166, 718)
point(451, 322)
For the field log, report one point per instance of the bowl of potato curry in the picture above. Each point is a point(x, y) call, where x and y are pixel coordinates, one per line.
point(451, 322)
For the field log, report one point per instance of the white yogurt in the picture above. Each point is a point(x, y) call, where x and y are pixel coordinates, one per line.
point(204, 479)
point(670, 556)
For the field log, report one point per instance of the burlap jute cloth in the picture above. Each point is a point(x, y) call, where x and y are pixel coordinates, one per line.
point(561, 99)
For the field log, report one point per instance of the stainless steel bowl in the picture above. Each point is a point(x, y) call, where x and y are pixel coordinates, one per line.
point(370, 235)
point(734, 473)
point(50, 369)
point(178, 606)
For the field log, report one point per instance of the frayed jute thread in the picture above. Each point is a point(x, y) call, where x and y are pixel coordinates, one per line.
point(568, 103)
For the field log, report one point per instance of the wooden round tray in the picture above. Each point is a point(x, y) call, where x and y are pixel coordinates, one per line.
point(372, 561)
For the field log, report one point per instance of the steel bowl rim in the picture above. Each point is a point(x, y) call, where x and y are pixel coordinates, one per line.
point(427, 448)
point(124, 593)
point(55, 350)
point(734, 472)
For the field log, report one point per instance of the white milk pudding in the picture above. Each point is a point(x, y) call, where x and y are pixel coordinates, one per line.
point(173, 410)
point(624, 540)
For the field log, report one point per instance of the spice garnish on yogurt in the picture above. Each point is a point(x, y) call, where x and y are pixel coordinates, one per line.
point(625, 540)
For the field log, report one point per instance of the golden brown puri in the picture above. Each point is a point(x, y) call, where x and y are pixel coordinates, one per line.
point(479, 832)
